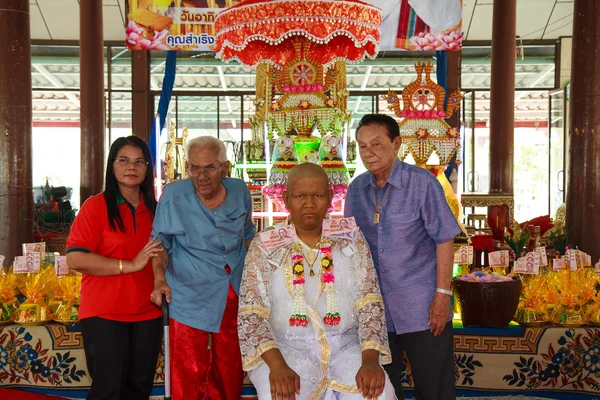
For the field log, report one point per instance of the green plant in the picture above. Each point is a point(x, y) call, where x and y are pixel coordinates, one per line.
point(517, 242)
point(559, 238)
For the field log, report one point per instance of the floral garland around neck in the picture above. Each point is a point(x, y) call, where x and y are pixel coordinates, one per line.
point(299, 318)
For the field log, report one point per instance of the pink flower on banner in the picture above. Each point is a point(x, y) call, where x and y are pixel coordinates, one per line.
point(452, 40)
point(428, 41)
point(137, 41)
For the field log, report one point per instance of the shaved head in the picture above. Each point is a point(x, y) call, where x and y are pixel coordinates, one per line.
point(307, 197)
point(306, 171)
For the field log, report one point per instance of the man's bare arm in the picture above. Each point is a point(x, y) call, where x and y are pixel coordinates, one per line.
point(159, 266)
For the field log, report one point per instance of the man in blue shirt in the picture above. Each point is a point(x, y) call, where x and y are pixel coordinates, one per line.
point(205, 225)
point(402, 211)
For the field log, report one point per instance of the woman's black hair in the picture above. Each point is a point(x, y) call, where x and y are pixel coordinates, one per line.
point(111, 186)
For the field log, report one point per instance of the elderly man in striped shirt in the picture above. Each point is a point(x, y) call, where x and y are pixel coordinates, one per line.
point(402, 211)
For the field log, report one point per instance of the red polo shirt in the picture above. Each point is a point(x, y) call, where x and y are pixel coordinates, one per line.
point(120, 297)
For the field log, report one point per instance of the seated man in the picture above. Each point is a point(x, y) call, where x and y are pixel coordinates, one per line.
point(311, 320)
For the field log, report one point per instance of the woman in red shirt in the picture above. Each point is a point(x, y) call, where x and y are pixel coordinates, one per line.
point(110, 245)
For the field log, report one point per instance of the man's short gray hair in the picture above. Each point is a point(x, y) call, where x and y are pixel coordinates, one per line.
point(208, 142)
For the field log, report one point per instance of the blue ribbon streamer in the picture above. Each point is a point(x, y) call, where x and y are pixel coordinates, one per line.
point(442, 80)
point(165, 99)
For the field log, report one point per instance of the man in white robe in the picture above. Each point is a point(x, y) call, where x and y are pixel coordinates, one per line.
point(320, 359)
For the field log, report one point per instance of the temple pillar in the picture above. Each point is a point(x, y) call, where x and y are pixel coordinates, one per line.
point(92, 113)
point(502, 114)
point(142, 102)
point(453, 71)
point(583, 175)
point(16, 192)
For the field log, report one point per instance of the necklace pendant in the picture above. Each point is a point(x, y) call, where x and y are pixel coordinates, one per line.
point(376, 218)
point(312, 273)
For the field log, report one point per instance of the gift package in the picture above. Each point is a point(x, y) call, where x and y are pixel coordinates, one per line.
point(38, 288)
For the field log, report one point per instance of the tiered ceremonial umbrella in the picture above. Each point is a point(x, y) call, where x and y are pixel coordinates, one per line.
point(300, 49)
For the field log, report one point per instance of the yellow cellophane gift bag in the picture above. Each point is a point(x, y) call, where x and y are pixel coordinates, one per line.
point(575, 290)
point(593, 309)
point(69, 287)
point(8, 296)
point(532, 307)
point(36, 287)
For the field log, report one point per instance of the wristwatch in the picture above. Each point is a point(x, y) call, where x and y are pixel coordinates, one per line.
point(444, 291)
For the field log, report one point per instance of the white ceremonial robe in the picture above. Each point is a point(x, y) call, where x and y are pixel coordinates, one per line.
point(327, 358)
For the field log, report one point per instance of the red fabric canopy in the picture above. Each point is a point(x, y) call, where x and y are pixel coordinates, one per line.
point(256, 31)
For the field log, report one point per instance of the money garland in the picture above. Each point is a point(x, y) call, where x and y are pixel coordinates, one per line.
point(299, 318)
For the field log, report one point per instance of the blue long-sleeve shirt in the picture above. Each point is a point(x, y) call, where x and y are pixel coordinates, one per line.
point(200, 242)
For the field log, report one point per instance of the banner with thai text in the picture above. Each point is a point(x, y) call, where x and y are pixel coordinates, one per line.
point(189, 24)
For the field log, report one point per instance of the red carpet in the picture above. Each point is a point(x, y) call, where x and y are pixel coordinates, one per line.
point(12, 394)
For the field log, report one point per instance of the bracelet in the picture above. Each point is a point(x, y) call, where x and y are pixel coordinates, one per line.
point(120, 266)
point(444, 291)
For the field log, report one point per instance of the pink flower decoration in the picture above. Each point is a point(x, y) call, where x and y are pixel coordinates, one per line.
point(452, 132)
point(422, 133)
point(304, 104)
point(328, 277)
point(299, 281)
point(340, 189)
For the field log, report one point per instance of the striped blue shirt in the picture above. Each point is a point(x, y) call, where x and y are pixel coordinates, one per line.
point(413, 219)
point(200, 242)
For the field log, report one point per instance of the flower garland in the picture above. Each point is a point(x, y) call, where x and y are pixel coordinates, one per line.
point(332, 317)
point(299, 317)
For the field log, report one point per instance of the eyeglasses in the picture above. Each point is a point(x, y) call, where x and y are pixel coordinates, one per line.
point(125, 162)
point(196, 170)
